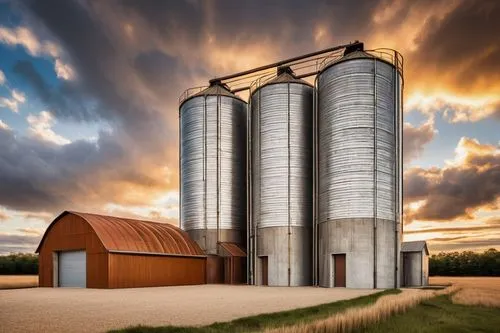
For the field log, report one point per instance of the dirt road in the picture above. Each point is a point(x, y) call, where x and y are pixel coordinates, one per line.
point(95, 310)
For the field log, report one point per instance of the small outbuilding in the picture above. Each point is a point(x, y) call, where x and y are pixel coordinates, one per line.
point(96, 251)
point(415, 264)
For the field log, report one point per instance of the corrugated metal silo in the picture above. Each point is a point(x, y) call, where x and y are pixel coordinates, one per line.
point(213, 167)
point(359, 171)
point(282, 151)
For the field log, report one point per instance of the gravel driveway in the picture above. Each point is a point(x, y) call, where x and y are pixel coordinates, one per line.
point(96, 310)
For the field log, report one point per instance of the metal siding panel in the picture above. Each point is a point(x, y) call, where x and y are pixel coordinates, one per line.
point(346, 151)
point(97, 270)
point(282, 155)
point(73, 269)
point(213, 151)
point(134, 271)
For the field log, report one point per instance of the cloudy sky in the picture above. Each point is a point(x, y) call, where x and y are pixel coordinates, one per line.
point(89, 98)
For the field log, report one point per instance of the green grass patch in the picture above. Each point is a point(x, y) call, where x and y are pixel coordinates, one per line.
point(440, 315)
point(260, 322)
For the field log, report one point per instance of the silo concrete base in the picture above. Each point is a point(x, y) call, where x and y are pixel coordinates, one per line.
point(207, 239)
point(354, 238)
point(273, 256)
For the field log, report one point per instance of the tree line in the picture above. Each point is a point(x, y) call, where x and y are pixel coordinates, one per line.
point(465, 263)
point(19, 263)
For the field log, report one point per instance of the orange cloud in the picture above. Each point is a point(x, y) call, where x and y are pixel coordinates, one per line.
point(455, 108)
point(468, 183)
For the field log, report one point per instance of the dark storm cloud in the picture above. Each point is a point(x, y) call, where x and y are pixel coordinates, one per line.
point(18, 243)
point(158, 70)
point(415, 138)
point(290, 24)
point(37, 176)
point(292, 20)
point(172, 19)
point(23, 239)
point(456, 190)
point(99, 64)
point(418, 183)
point(464, 42)
point(65, 102)
point(19, 171)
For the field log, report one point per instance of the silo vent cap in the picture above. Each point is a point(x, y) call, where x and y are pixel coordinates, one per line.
point(357, 46)
point(285, 69)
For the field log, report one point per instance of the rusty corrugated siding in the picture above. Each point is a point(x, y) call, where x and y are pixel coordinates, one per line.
point(122, 234)
point(133, 271)
point(215, 269)
point(233, 249)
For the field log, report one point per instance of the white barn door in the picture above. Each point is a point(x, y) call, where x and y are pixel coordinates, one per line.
point(73, 269)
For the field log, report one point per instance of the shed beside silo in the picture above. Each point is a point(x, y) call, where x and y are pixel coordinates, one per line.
point(96, 251)
point(415, 263)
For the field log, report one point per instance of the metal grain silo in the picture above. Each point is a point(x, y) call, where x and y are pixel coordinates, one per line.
point(213, 126)
point(281, 168)
point(359, 170)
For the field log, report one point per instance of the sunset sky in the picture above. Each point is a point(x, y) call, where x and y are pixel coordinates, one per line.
point(89, 102)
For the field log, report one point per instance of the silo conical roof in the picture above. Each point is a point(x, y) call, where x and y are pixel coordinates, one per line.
point(215, 89)
point(285, 76)
point(354, 55)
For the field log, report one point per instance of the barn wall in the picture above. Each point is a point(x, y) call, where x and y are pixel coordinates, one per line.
point(130, 270)
point(73, 233)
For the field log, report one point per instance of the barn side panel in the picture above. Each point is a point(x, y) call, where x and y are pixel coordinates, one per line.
point(45, 268)
point(97, 270)
point(137, 270)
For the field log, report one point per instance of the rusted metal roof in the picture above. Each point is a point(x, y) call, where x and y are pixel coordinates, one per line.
point(129, 235)
point(416, 246)
point(233, 249)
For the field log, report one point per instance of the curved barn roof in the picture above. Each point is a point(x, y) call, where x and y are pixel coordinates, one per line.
point(137, 236)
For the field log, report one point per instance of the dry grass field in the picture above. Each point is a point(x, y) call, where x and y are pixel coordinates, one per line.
point(473, 307)
point(478, 297)
point(360, 317)
point(18, 281)
point(482, 291)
